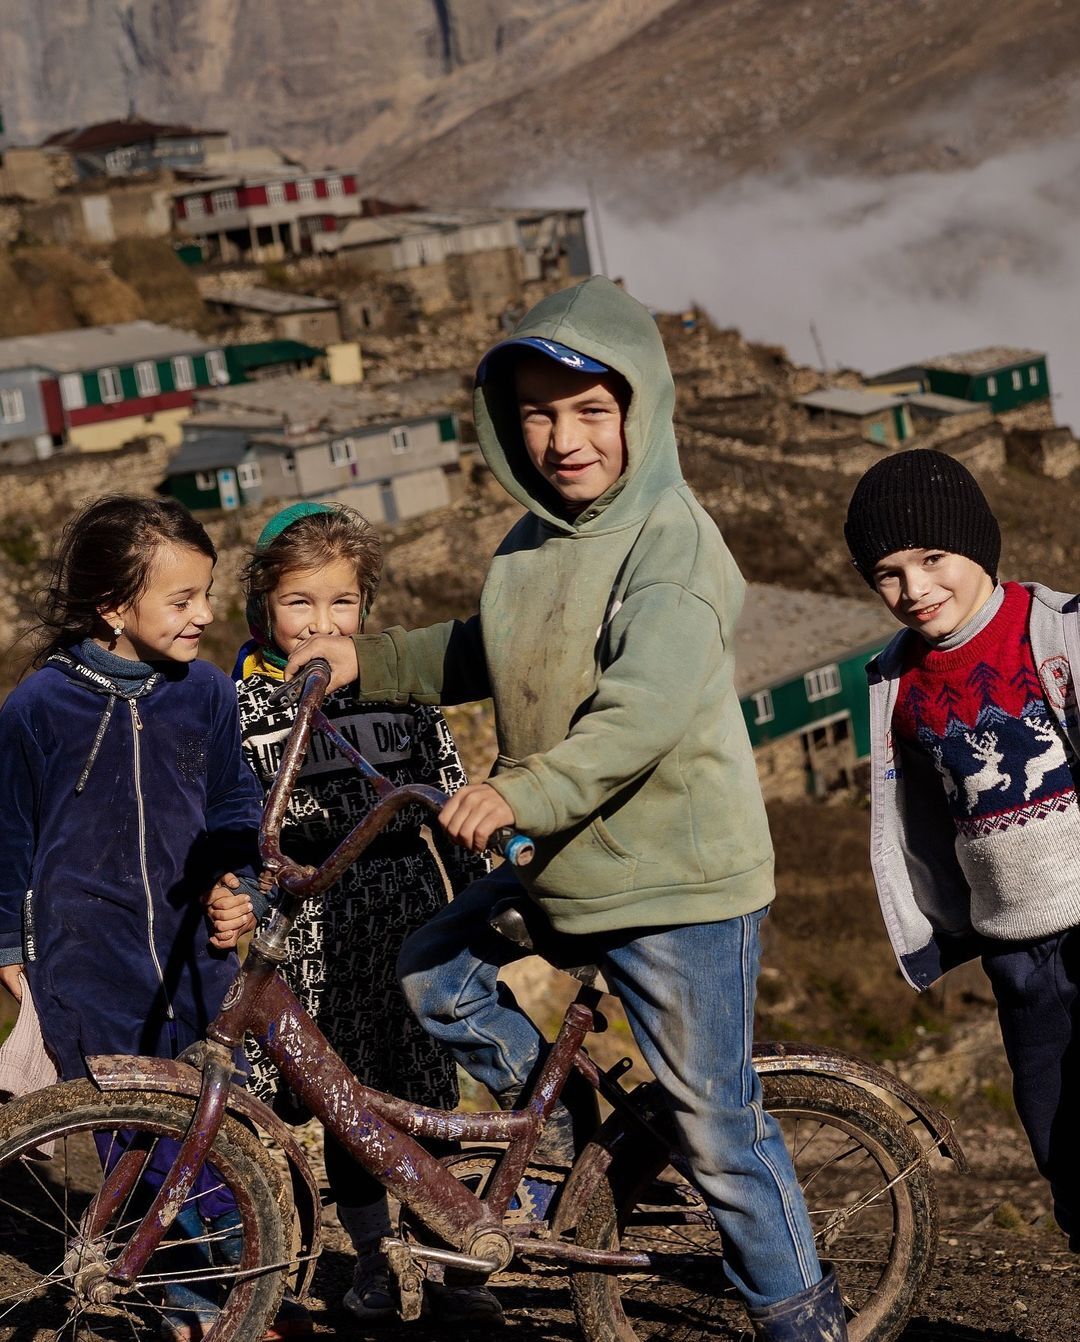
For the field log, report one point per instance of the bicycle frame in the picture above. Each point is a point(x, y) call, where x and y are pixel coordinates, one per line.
point(382, 1133)
point(379, 1131)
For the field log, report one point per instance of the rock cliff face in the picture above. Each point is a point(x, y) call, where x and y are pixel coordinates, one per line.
point(660, 102)
point(315, 78)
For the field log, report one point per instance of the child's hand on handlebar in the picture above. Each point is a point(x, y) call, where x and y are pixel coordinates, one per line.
point(339, 652)
point(473, 814)
point(230, 913)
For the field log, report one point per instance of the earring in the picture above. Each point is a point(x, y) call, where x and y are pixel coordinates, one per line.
point(118, 629)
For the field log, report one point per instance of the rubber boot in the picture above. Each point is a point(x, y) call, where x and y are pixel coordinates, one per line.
point(189, 1311)
point(814, 1315)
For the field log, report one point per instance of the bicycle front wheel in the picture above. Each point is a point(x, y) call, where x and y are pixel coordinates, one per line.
point(868, 1191)
point(58, 1238)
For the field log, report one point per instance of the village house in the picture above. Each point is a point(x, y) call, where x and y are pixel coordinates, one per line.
point(264, 216)
point(294, 439)
point(279, 314)
point(999, 376)
point(98, 387)
point(479, 258)
point(30, 173)
point(799, 675)
point(257, 360)
point(86, 215)
point(874, 416)
point(128, 147)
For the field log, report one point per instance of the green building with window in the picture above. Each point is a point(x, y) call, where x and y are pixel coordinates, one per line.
point(999, 376)
point(800, 661)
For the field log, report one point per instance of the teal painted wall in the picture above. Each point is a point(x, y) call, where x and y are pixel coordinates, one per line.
point(793, 712)
point(184, 488)
point(1034, 385)
point(130, 387)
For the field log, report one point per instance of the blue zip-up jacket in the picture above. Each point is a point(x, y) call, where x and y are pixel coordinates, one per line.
point(102, 869)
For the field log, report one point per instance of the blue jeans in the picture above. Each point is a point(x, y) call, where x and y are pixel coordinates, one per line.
point(688, 993)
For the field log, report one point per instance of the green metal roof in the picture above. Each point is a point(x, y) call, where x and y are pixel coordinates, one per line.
point(263, 352)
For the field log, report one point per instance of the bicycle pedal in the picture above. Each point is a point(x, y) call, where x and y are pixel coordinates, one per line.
point(409, 1278)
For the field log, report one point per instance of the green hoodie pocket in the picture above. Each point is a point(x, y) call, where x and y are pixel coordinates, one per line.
point(586, 862)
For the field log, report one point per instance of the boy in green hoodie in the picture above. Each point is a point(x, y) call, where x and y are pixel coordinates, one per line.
point(604, 638)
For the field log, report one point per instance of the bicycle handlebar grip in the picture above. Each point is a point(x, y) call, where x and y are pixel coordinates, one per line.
point(518, 849)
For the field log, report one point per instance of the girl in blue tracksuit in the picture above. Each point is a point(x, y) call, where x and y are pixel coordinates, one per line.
point(124, 800)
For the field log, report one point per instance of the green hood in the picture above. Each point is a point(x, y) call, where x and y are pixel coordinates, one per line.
point(598, 319)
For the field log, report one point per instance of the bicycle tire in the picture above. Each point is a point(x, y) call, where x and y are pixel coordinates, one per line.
point(47, 1259)
point(881, 1240)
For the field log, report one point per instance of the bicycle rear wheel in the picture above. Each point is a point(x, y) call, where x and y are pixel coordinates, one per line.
point(57, 1240)
point(868, 1190)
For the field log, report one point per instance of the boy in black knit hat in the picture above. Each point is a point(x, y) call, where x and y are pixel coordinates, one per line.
point(974, 757)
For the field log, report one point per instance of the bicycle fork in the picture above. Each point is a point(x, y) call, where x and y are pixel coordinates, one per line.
point(218, 1069)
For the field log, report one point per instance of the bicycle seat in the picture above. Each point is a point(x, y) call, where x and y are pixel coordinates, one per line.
point(521, 922)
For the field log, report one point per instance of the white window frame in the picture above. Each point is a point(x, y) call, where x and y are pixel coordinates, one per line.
point(275, 193)
point(1017, 379)
point(223, 202)
point(183, 372)
point(110, 386)
point(305, 189)
point(216, 368)
point(991, 386)
point(248, 475)
point(72, 391)
point(399, 440)
point(12, 405)
point(205, 480)
point(763, 707)
point(335, 186)
point(1033, 375)
point(146, 378)
point(342, 451)
point(822, 683)
point(194, 207)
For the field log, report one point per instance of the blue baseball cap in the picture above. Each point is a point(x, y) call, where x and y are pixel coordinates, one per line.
point(570, 358)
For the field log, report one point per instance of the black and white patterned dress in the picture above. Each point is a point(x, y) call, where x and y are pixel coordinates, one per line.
point(344, 945)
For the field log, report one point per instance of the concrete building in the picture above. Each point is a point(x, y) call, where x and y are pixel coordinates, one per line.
point(140, 209)
point(31, 418)
point(101, 386)
point(479, 258)
point(264, 216)
point(284, 315)
point(131, 146)
point(799, 674)
point(30, 173)
point(291, 439)
point(878, 418)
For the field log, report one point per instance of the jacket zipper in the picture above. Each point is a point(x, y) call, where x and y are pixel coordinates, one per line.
point(136, 723)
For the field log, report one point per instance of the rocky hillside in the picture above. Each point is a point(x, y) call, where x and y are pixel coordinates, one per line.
point(320, 80)
point(459, 99)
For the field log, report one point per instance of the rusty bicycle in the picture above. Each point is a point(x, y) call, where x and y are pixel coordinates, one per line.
point(87, 1240)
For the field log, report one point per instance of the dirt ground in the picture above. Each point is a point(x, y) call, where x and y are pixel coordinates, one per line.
point(1002, 1274)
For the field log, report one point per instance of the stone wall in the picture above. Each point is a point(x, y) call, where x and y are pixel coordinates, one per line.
point(57, 485)
point(1050, 452)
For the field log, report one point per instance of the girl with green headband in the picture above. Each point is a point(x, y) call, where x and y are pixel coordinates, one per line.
point(316, 570)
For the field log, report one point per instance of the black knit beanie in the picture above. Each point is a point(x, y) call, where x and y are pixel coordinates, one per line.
point(920, 500)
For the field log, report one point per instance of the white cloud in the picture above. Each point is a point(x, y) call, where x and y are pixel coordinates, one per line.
point(890, 270)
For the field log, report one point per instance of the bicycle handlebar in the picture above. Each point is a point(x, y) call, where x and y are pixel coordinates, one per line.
point(307, 689)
